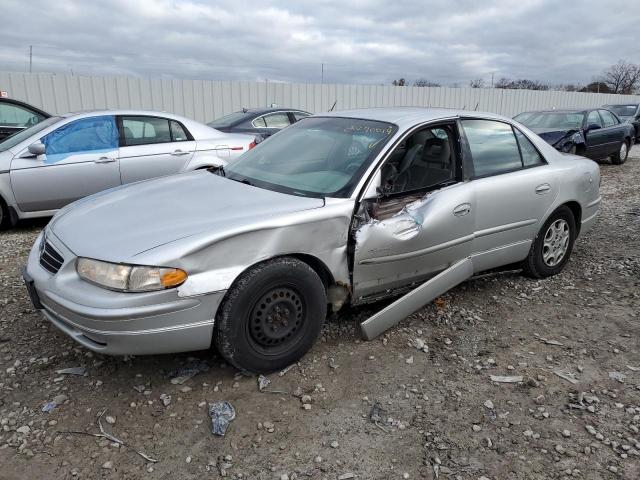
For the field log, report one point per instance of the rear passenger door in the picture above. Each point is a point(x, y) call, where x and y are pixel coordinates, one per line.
point(152, 147)
point(614, 132)
point(596, 136)
point(513, 189)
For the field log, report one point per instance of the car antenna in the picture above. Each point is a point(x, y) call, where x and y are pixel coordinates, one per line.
point(333, 106)
point(476, 109)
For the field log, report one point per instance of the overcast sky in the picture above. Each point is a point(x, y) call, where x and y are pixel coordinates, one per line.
point(359, 41)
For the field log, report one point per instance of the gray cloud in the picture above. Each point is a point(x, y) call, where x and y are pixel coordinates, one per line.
point(358, 41)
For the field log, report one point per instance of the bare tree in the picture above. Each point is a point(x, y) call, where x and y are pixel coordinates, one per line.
point(476, 83)
point(596, 87)
point(399, 83)
point(423, 82)
point(521, 83)
point(622, 77)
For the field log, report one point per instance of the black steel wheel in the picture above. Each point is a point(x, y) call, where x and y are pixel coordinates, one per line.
point(271, 315)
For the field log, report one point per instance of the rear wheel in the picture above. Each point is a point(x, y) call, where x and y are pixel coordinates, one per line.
point(271, 316)
point(552, 246)
point(621, 155)
point(5, 218)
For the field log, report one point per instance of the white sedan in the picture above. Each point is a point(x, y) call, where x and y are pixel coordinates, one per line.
point(67, 157)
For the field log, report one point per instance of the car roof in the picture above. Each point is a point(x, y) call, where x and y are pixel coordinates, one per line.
point(262, 111)
point(406, 116)
point(566, 110)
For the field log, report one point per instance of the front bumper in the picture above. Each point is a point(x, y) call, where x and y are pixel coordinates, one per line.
point(119, 323)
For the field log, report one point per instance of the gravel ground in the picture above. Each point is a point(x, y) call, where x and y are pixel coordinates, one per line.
point(573, 338)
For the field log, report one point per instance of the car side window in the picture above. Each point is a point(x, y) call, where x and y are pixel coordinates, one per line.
point(178, 132)
point(530, 156)
point(141, 130)
point(493, 146)
point(300, 115)
point(607, 118)
point(259, 122)
point(594, 119)
point(277, 120)
point(424, 159)
point(85, 135)
point(15, 116)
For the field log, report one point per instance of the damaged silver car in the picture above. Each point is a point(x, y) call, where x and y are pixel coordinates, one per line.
point(348, 207)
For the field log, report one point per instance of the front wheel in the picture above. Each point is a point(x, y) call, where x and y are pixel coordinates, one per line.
point(552, 246)
point(621, 155)
point(271, 316)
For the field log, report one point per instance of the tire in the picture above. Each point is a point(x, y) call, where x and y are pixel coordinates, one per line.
point(543, 260)
point(5, 217)
point(621, 155)
point(269, 294)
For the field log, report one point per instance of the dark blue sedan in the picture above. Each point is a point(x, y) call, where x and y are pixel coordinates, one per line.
point(595, 133)
point(261, 122)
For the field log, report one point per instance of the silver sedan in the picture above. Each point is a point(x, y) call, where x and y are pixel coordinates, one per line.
point(340, 208)
point(68, 157)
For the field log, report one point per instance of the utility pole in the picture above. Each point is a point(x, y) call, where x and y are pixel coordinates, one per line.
point(30, 58)
point(322, 73)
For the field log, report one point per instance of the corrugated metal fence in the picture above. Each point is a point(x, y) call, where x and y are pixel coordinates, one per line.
point(205, 100)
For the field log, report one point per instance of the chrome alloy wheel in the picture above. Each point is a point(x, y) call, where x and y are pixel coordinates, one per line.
point(623, 151)
point(556, 242)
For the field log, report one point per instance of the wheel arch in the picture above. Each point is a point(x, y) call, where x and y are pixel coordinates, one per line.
point(576, 211)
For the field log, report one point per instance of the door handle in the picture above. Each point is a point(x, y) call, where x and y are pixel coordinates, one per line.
point(462, 210)
point(104, 160)
point(542, 189)
point(179, 153)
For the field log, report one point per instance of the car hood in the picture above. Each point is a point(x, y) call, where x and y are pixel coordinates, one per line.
point(117, 224)
point(553, 135)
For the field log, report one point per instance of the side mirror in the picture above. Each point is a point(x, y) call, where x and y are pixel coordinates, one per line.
point(37, 148)
point(593, 126)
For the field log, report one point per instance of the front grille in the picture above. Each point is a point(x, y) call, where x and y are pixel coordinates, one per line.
point(50, 260)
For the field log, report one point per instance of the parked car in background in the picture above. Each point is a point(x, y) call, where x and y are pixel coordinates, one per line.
point(628, 112)
point(341, 208)
point(595, 133)
point(15, 116)
point(64, 158)
point(258, 121)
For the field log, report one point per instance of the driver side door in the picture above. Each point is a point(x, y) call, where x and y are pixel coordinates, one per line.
point(423, 219)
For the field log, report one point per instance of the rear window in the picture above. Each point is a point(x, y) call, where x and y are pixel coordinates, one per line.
point(229, 120)
point(624, 110)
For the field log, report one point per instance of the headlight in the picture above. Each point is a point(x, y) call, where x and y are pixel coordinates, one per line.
point(129, 278)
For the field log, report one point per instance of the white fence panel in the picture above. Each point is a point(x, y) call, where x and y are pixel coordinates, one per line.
point(205, 100)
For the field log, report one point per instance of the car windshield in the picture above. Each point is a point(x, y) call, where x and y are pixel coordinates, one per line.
point(21, 136)
point(623, 110)
point(557, 120)
point(228, 120)
point(317, 156)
